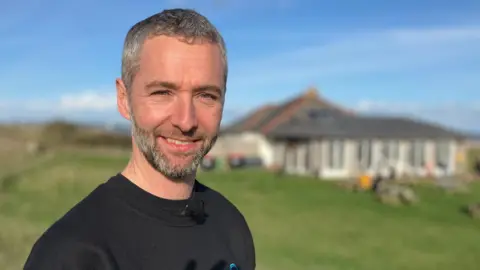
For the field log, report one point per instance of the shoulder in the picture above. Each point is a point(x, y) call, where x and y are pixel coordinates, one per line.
point(58, 250)
point(234, 221)
point(221, 204)
point(85, 216)
point(72, 241)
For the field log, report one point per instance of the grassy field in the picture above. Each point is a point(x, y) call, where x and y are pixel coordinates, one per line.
point(298, 223)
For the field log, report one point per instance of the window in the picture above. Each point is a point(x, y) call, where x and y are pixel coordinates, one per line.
point(320, 113)
point(390, 150)
point(306, 154)
point(336, 157)
point(315, 113)
point(364, 153)
point(442, 153)
point(410, 155)
point(416, 155)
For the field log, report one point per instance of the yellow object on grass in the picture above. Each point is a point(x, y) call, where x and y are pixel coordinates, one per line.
point(365, 182)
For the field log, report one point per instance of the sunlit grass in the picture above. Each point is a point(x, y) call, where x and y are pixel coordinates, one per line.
point(298, 223)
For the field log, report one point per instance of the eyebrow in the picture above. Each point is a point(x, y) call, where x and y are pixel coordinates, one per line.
point(171, 85)
point(213, 88)
point(154, 84)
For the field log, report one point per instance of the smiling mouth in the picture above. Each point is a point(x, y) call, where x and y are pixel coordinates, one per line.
point(179, 142)
point(181, 145)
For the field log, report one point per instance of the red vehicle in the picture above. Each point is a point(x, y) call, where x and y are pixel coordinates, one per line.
point(235, 160)
point(208, 163)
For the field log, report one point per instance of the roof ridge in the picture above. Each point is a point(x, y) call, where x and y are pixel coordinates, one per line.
point(270, 115)
point(256, 114)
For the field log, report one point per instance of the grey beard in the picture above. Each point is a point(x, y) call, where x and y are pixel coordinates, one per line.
point(147, 145)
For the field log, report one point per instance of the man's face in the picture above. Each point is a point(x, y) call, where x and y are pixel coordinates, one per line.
point(176, 103)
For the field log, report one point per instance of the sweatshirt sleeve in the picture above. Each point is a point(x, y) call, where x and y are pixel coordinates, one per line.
point(56, 254)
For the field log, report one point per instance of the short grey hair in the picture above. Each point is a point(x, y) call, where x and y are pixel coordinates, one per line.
point(186, 24)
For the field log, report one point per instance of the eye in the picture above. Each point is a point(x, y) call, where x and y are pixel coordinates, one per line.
point(208, 96)
point(161, 92)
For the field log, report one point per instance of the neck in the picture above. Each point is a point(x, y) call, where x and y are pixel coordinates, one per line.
point(141, 173)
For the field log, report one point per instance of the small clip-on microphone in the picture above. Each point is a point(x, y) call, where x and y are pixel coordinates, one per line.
point(195, 209)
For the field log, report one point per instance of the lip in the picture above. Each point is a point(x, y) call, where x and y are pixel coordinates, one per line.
point(184, 146)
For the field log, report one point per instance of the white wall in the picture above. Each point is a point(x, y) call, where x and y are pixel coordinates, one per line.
point(255, 144)
point(452, 167)
point(247, 143)
point(265, 150)
point(402, 165)
point(335, 173)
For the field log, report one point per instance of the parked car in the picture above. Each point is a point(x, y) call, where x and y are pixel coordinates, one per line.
point(237, 161)
point(208, 163)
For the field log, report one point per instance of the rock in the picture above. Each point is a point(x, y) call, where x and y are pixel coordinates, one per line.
point(408, 196)
point(388, 193)
point(473, 210)
point(394, 194)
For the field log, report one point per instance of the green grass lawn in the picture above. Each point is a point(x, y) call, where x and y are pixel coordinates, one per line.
point(298, 223)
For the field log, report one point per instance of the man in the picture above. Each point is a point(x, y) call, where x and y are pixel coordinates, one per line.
point(155, 214)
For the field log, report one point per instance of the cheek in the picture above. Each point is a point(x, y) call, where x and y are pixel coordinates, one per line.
point(149, 117)
point(209, 120)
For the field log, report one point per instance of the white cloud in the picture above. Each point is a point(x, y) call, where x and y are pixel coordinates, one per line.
point(362, 53)
point(94, 105)
point(98, 104)
point(365, 52)
point(395, 107)
point(422, 51)
point(408, 36)
point(88, 100)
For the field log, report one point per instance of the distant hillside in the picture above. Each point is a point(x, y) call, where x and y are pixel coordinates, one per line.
point(118, 128)
point(61, 133)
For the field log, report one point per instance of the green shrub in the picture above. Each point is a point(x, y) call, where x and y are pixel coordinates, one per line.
point(59, 133)
point(103, 139)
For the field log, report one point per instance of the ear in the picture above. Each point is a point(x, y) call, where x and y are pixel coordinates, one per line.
point(123, 105)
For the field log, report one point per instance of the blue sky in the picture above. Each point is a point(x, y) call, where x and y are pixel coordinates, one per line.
point(421, 58)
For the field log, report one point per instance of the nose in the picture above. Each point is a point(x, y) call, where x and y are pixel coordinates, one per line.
point(184, 116)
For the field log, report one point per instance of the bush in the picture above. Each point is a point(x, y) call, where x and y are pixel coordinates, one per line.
point(58, 133)
point(103, 139)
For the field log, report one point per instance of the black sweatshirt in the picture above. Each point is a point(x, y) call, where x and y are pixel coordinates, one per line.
point(121, 226)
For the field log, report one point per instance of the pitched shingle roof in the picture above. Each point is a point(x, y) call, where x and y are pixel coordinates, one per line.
point(253, 120)
point(342, 126)
point(267, 118)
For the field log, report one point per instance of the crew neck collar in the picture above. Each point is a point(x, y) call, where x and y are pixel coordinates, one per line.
point(165, 210)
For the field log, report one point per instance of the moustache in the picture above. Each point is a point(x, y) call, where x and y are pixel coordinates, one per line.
point(181, 137)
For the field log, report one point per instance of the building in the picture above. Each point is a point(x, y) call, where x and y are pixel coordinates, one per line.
point(310, 135)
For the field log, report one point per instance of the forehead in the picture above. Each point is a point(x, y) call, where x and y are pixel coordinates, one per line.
point(170, 59)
